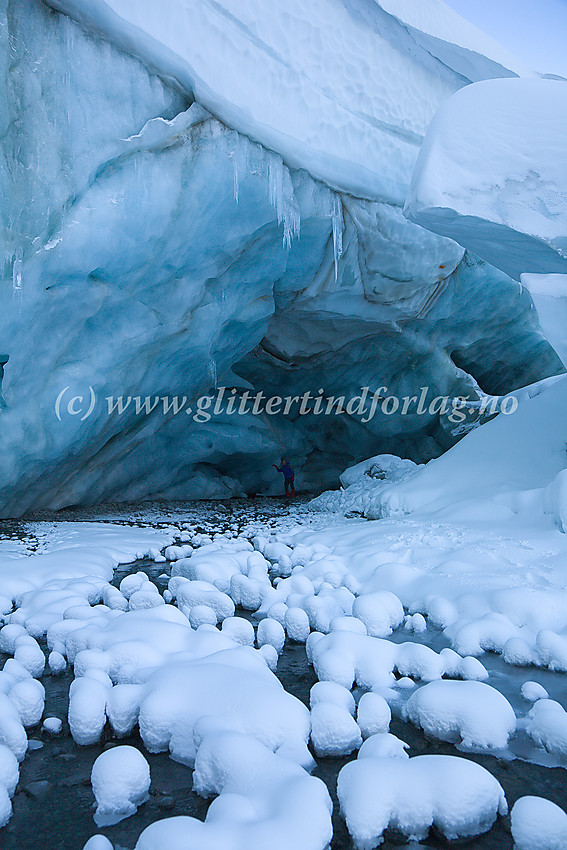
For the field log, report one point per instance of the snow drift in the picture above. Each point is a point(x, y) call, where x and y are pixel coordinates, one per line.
point(491, 174)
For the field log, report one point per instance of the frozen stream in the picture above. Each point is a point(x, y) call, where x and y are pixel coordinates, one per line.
point(53, 803)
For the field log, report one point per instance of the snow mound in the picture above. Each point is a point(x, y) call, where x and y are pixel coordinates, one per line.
point(491, 174)
point(472, 713)
point(98, 842)
point(235, 688)
point(334, 731)
point(532, 691)
point(363, 482)
point(87, 709)
point(271, 633)
point(257, 792)
point(518, 452)
point(383, 745)
point(458, 797)
point(9, 770)
point(239, 630)
point(12, 732)
point(331, 692)
point(28, 695)
point(381, 612)
point(346, 657)
point(373, 715)
point(547, 726)
point(189, 594)
point(52, 725)
point(538, 824)
point(121, 781)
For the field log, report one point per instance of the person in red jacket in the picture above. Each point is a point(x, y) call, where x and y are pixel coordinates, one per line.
point(289, 477)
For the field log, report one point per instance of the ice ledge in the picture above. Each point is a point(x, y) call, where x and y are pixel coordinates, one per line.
point(321, 83)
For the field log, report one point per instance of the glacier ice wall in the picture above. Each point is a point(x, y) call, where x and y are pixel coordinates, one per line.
point(151, 249)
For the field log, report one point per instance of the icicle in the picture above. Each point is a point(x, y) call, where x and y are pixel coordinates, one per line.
point(282, 198)
point(239, 157)
point(213, 372)
point(236, 183)
point(17, 272)
point(338, 227)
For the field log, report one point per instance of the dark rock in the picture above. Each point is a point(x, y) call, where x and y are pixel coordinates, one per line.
point(37, 790)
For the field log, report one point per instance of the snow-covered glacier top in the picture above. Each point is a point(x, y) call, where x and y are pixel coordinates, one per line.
point(492, 174)
point(342, 88)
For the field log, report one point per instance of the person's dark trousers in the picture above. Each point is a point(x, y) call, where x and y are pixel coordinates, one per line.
point(289, 486)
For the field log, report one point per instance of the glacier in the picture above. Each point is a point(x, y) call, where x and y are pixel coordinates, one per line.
point(176, 224)
point(239, 196)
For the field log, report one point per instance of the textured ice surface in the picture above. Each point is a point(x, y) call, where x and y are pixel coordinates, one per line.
point(491, 174)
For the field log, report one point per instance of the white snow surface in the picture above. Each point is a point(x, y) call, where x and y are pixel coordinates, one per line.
point(74, 561)
point(497, 464)
point(333, 87)
point(549, 294)
point(485, 581)
point(538, 824)
point(472, 713)
point(121, 781)
point(98, 842)
point(459, 797)
point(492, 174)
point(264, 801)
point(334, 731)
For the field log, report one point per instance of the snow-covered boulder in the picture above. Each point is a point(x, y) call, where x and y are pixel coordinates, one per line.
point(538, 824)
point(346, 657)
point(373, 715)
point(12, 732)
point(98, 842)
point(334, 731)
point(458, 797)
point(547, 726)
point(472, 713)
point(381, 612)
point(121, 781)
point(333, 693)
point(383, 745)
point(234, 688)
point(264, 801)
